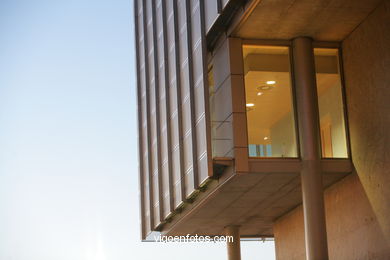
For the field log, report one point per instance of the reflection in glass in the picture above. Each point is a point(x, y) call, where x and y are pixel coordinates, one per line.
point(270, 116)
point(330, 103)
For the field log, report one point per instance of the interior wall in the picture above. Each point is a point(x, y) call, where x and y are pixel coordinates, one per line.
point(286, 145)
point(328, 102)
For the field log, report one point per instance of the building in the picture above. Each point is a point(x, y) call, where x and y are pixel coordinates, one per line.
point(266, 119)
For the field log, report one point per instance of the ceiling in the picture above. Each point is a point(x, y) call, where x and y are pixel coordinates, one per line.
point(323, 20)
point(271, 106)
point(253, 201)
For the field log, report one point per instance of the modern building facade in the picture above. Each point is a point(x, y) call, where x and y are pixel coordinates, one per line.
point(266, 119)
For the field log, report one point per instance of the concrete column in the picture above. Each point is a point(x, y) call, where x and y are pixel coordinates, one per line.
point(309, 136)
point(233, 247)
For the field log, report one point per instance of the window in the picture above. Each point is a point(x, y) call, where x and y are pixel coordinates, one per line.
point(330, 103)
point(269, 101)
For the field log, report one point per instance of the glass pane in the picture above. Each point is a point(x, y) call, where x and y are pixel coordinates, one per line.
point(221, 121)
point(270, 113)
point(330, 103)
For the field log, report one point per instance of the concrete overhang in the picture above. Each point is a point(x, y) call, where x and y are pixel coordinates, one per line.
point(253, 200)
point(321, 20)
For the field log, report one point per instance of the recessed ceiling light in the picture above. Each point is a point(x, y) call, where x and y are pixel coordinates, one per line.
point(266, 138)
point(259, 93)
point(271, 82)
point(250, 105)
point(265, 87)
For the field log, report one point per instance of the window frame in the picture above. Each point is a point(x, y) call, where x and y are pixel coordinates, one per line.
point(337, 46)
point(315, 44)
point(279, 43)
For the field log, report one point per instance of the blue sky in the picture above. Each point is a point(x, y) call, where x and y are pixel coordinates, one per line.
point(68, 168)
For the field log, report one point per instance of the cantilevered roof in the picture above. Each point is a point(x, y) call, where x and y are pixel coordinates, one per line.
point(323, 20)
point(253, 200)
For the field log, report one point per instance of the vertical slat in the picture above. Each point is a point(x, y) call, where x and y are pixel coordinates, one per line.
point(206, 87)
point(167, 106)
point(150, 123)
point(191, 95)
point(179, 101)
point(219, 6)
point(139, 120)
point(148, 132)
point(157, 107)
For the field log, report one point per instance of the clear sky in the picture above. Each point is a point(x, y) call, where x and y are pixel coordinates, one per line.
point(68, 157)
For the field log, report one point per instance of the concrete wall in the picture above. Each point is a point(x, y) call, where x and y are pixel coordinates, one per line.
point(367, 77)
point(353, 229)
point(358, 207)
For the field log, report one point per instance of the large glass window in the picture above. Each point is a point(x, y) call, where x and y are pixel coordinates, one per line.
point(330, 103)
point(269, 101)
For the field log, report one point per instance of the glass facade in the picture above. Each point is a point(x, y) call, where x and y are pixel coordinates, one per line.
point(269, 101)
point(330, 103)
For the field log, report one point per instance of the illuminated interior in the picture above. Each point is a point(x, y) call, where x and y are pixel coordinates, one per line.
point(330, 103)
point(270, 117)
